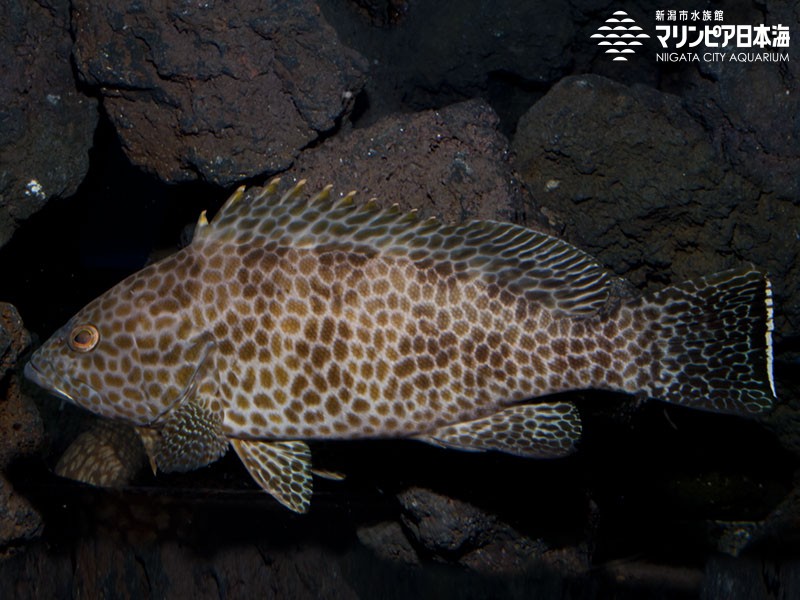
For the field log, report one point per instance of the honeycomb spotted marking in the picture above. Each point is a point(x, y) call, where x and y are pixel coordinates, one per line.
point(289, 319)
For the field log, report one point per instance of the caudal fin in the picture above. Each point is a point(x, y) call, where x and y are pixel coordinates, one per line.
point(712, 339)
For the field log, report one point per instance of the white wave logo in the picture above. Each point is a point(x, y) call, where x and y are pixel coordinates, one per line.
point(620, 32)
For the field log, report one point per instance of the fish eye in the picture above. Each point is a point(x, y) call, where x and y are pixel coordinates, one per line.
point(83, 338)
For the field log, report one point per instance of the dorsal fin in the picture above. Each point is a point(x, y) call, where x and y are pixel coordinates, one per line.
point(542, 268)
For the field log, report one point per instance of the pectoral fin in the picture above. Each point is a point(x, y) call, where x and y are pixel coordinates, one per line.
point(191, 437)
point(282, 469)
point(532, 430)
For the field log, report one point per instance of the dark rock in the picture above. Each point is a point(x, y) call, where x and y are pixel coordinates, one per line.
point(216, 91)
point(753, 108)
point(750, 577)
point(19, 419)
point(444, 526)
point(779, 530)
point(383, 13)
point(589, 57)
point(103, 567)
point(752, 112)
point(19, 422)
point(451, 163)
point(733, 536)
point(638, 183)
point(20, 432)
point(634, 578)
point(188, 84)
point(455, 531)
point(47, 124)
point(19, 521)
point(444, 52)
point(784, 421)
point(388, 541)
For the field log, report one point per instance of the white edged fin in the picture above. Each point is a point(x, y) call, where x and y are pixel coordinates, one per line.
point(282, 469)
point(518, 260)
point(768, 337)
point(532, 430)
point(712, 339)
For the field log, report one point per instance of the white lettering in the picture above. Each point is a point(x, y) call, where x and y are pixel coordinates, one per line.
point(677, 57)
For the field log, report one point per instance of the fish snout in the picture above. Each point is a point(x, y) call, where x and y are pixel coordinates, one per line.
point(33, 373)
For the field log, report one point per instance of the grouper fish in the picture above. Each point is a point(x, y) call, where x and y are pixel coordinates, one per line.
point(291, 318)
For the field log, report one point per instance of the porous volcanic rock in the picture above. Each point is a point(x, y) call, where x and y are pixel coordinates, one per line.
point(753, 108)
point(451, 530)
point(450, 163)
point(639, 183)
point(46, 124)
point(20, 431)
point(216, 91)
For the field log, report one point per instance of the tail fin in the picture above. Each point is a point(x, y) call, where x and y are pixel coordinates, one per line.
point(712, 340)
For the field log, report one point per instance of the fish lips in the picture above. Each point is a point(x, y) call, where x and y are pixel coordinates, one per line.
point(38, 375)
point(35, 374)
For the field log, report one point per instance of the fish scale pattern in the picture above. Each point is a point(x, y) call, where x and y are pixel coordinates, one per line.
point(291, 318)
point(343, 345)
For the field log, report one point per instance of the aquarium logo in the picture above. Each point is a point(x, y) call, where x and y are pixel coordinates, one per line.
point(695, 36)
point(686, 36)
point(620, 35)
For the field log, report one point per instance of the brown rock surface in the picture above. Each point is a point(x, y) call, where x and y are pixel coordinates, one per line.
point(215, 91)
point(20, 431)
point(450, 163)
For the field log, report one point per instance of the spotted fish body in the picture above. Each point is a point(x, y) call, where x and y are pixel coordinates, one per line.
point(289, 319)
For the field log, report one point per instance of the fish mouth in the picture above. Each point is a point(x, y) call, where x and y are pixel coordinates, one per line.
point(35, 374)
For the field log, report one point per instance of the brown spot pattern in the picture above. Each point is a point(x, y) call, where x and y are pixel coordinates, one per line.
point(340, 339)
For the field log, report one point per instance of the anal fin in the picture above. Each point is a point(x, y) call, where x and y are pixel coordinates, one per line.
point(532, 430)
point(282, 469)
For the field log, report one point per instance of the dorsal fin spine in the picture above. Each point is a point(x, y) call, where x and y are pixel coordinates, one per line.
point(294, 191)
point(324, 194)
point(269, 189)
point(232, 199)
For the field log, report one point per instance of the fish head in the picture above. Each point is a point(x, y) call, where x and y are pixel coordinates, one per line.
point(119, 356)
